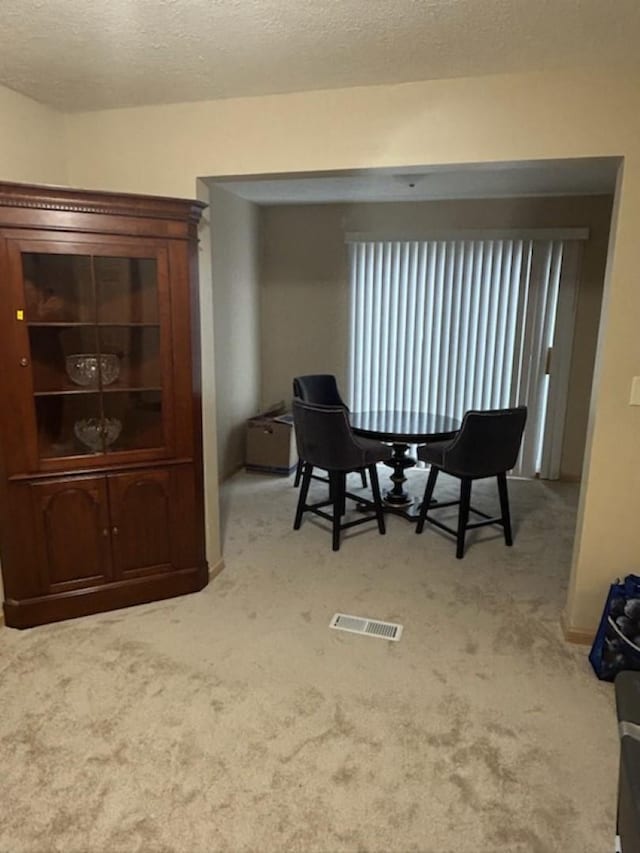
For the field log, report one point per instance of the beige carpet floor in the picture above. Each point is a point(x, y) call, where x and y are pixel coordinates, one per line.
point(235, 720)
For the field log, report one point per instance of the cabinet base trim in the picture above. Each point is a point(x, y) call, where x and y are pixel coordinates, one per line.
point(84, 602)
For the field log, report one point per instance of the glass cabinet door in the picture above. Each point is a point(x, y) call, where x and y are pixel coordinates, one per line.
point(129, 332)
point(96, 343)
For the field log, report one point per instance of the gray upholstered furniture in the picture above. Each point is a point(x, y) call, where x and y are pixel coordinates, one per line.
point(628, 708)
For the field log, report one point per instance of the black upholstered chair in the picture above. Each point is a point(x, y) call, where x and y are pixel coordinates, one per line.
point(322, 389)
point(325, 440)
point(487, 445)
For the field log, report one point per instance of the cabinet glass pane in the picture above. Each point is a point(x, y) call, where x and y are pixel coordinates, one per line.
point(94, 333)
point(58, 288)
point(136, 417)
point(136, 354)
point(127, 290)
point(69, 424)
point(65, 358)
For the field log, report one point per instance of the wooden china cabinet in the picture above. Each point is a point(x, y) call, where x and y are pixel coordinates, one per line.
point(101, 486)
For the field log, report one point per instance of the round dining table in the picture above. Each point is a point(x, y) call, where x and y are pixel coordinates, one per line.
point(401, 429)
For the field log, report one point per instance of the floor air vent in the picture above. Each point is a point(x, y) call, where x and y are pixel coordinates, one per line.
point(369, 627)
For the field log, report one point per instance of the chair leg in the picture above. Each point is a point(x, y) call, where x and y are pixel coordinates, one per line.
point(343, 493)
point(375, 488)
point(463, 514)
point(426, 500)
point(296, 482)
point(504, 508)
point(364, 479)
point(302, 497)
point(337, 489)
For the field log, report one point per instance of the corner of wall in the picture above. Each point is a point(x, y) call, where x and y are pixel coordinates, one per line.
point(209, 403)
point(33, 142)
point(235, 265)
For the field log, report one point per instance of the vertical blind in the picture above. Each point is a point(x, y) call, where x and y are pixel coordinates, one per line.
point(451, 325)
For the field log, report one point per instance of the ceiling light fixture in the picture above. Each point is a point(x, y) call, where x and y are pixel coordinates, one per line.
point(409, 180)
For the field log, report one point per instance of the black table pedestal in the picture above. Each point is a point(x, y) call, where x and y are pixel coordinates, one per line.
point(401, 429)
point(399, 462)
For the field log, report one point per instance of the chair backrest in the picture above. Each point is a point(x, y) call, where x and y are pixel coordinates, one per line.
point(488, 442)
point(324, 437)
point(320, 388)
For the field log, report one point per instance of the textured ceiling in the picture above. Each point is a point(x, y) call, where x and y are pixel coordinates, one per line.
point(79, 55)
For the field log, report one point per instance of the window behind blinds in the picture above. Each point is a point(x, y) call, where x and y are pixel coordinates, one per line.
point(450, 325)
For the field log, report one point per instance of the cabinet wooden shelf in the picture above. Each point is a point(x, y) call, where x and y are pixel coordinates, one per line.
point(106, 323)
point(37, 324)
point(105, 390)
point(100, 436)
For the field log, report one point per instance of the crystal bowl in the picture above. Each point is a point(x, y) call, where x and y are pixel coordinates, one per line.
point(92, 432)
point(82, 368)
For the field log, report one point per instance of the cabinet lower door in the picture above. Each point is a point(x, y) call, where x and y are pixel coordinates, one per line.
point(72, 532)
point(141, 518)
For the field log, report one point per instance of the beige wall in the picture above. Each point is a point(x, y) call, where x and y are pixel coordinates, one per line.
point(469, 120)
point(234, 224)
point(305, 298)
point(486, 119)
point(32, 141)
point(32, 146)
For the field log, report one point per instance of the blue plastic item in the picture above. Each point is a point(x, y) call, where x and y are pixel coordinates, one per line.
point(616, 646)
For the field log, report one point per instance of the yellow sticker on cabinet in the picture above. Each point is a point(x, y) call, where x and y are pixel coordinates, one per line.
point(19, 314)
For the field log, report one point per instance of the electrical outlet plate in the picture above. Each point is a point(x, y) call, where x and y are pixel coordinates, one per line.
point(634, 400)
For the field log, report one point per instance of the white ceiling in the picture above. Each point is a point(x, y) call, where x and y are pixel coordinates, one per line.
point(85, 54)
point(496, 180)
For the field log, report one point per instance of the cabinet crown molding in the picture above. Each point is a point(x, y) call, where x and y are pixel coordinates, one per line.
point(72, 200)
